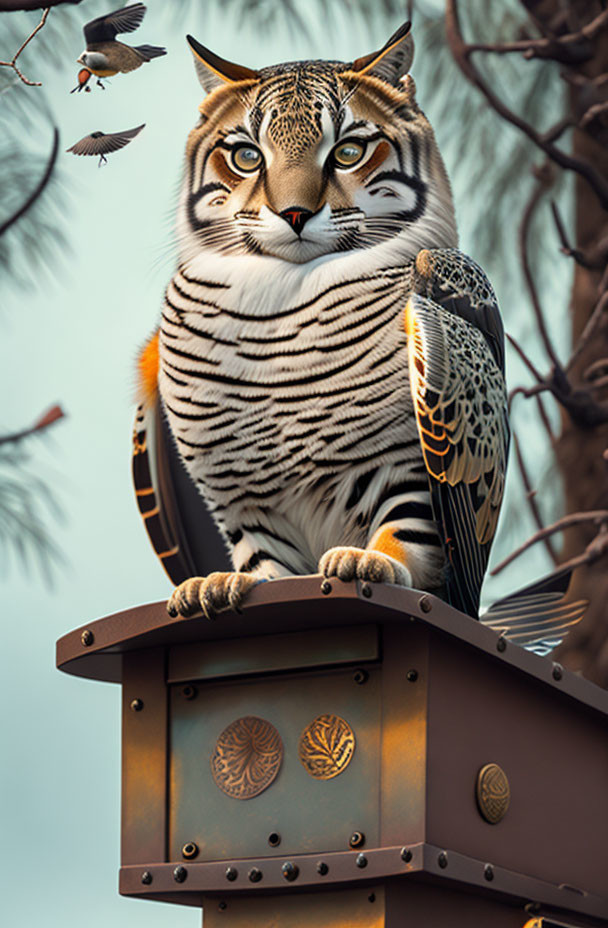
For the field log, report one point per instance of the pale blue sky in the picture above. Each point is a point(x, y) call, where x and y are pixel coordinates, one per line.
point(73, 340)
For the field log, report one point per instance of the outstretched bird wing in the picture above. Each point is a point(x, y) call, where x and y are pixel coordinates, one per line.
point(456, 366)
point(178, 523)
point(106, 28)
point(101, 143)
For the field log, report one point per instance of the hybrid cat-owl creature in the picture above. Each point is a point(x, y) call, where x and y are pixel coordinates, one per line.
point(328, 366)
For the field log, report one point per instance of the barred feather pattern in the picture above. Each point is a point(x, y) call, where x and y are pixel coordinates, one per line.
point(297, 424)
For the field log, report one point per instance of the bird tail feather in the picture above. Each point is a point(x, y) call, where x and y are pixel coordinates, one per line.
point(148, 52)
point(538, 618)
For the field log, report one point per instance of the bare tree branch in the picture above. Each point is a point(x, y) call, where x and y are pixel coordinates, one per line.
point(39, 188)
point(531, 498)
point(9, 6)
point(462, 56)
point(52, 415)
point(599, 516)
point(13, 62)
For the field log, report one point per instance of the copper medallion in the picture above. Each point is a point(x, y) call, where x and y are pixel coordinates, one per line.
point(326, 746)
point(247, 757)
point(493, 793)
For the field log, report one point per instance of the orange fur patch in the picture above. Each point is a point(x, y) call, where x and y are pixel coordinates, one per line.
point(385, 542)
point(381, 154)
point(147, 370)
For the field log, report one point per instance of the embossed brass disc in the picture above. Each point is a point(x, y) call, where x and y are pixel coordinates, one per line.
point(493, 793)
point(326, 746)
point(247, 757)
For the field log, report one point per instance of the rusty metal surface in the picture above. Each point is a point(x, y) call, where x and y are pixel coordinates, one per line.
point(294, 604)
point(308, 814)
point(292, 651)
point(382, 865)
point(144, 757)
point(554, 755)
point(351, 908)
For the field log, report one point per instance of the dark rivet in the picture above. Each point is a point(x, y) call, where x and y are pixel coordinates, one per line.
point(360, 676)
point(488, 872)
point(137, 705)
point(255, 875)
point(501, 644)
point(274, 839)
point(189, 691)
point(425, 604)
point(558, 671)
point(361, 860)
point(146, 877)
point(326, 587)
point(223, 906)
point(366, 590)
point(231, 874)
point(372, 897)
point(180, 874)
point(87, 638)
point(406, 854)
point(190, 850)
point(412, 675)
point(533, 908)
point(357, 839)
point(442, 860)
point(322, 868)
point(289, 871)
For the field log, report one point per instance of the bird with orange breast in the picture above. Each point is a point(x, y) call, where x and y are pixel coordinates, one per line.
point(104, 56)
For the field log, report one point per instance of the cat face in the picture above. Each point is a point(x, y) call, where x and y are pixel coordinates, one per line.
point(313, 158)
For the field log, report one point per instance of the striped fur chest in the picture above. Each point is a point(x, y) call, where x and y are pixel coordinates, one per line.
point(283, 400)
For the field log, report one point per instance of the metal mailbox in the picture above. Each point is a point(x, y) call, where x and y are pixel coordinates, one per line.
point(353, 755)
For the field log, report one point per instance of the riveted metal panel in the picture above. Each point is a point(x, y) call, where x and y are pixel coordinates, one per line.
point(351, 908)
point(144, 757)
point(308, 814)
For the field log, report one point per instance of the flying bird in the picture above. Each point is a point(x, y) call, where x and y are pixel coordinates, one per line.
point(104, 56)
point(102, 143)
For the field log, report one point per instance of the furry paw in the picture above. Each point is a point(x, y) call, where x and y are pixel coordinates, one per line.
point(210, 595)
point(358, 564)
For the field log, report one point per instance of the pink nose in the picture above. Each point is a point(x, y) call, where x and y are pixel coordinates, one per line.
point(297, 217)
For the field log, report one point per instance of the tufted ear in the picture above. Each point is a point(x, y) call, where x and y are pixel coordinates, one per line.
point(214, 71)
point(392, 61)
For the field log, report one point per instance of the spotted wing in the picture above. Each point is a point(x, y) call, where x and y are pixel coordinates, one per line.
point(537, 618)
point(104, 143)
point(176, 519)
point(456, 357)
point(106, 28)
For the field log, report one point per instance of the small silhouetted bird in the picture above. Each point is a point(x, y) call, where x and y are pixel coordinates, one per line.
point(104, 56)
point(102, 143)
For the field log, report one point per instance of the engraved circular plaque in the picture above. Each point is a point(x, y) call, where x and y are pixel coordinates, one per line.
point(247, 757)
point(326, 746)
point(493, 793)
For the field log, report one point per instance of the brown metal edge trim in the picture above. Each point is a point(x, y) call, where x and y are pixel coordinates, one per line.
point(459, 868)
point(380, 863)
point(133, 626)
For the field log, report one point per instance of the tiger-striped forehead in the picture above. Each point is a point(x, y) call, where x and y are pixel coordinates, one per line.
point(290, 103)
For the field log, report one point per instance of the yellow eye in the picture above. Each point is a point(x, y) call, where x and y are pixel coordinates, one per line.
point(348, 154)
point(246, 158)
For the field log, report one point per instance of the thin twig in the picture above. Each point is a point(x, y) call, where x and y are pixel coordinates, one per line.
point(13, 62)
point(590, 261)
point(43, 422)
point(590, 327)
point(39, 188)
point(575, 518)
point(520, 351)
point(531, 498)
point(543, 180)
point(462, 52)
point(557, 47)
point(544, 418)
